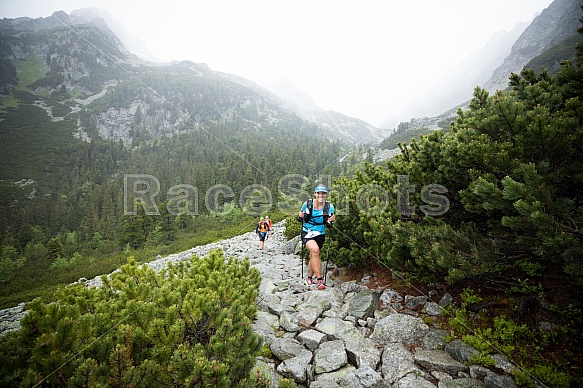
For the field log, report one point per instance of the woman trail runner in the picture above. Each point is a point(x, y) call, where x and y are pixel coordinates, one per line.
point(261, 230)
point(314, 215)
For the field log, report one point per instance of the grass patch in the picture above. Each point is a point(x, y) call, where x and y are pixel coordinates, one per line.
point(8, 102)
point(29, 70)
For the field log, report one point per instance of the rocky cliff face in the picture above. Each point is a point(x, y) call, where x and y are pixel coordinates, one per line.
point(556, 23)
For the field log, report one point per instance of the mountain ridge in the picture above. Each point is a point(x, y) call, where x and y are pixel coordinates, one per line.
point(79, 114)
point(553, 25)
point(556, 24)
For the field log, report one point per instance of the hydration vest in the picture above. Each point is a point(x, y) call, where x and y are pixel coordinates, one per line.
point(308, 213)
point(263, 226)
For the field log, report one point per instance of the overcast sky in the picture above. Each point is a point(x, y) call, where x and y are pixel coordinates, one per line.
point(363, 58)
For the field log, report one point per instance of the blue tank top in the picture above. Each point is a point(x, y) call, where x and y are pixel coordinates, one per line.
point(316, 221)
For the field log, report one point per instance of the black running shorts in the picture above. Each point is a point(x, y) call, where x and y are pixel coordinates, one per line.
point(319, 239)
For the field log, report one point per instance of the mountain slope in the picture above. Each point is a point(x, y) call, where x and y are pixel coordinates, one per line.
point(65, 56)
point(74, 67)
point(353, 129)
point(334, 125)
point(555, 24)
point(79, 113)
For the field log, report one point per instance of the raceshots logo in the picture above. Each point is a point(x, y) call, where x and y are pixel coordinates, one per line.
point(257, 199)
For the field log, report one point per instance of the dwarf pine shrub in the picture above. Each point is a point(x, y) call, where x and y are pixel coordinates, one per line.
point(189, 325)
point(293, 228)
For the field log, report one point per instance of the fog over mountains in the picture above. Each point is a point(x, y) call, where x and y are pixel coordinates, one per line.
point(490, 67)
point(456, 86)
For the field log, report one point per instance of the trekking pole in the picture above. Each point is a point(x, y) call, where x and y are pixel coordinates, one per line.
point(327, 253)
point(302, 250)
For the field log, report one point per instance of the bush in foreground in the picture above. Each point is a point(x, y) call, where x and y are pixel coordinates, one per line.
point(189, 325)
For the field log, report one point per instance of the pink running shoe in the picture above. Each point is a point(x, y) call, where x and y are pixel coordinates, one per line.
point(321, 285)
point(309, 281)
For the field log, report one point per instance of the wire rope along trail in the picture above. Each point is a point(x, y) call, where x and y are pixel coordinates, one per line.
point(346, 332)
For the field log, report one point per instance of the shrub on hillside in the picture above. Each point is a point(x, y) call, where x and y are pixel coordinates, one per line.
point(292, 227)
point(189, 325)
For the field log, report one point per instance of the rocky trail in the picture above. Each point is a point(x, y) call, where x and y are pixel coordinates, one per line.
point(344, 336)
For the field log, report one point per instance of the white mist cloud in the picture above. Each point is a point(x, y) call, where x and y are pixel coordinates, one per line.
point(363, 58)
